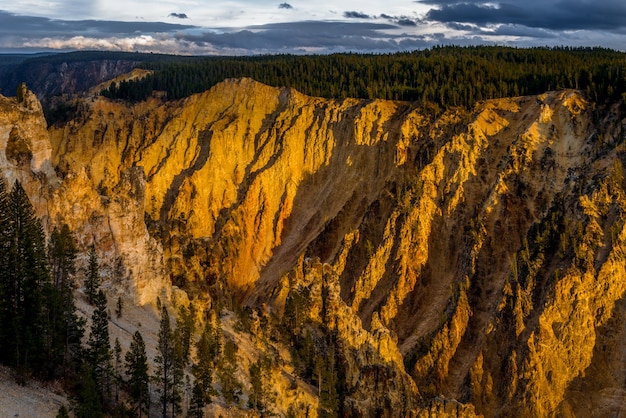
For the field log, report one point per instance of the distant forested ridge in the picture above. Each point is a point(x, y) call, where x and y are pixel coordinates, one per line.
point(446, 76)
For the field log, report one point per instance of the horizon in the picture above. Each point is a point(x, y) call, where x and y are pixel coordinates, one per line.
point(247, 27)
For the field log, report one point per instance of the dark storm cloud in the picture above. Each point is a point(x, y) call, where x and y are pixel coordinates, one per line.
point(355, 15)
point(300, 36)
point(504, 30)
point(444, 2)
point(285, 6)
point(556, 15)
point(406, 22)
point(31, 26)
point(179, 15)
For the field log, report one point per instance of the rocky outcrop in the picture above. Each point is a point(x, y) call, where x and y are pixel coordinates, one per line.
point(472, 261)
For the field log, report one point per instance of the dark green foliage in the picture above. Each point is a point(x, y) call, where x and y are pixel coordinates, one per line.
point(317, 352)
point(197, 403)
point(137, 371)
point(23, 277)
point(64, 328)
point(261, 394)
point(296, 306)
point(86, 402)
point(60, 112)
point(119, 307)
point(207, 350)
point(63, 413)
point(92, 279)
point(169, 371)
point(52, 332)
point(231, 387)
point(326, 371)
point(448, 76)
point(99, 345)
point(62, 255)
point(38, 323)
point(5, 266)
point(185, 329)
point(74, 330)
point(134, 92)
point(117, 368)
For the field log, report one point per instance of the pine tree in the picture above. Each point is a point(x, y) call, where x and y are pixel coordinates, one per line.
point(62, 255)
point(117, 368)
point(24, 273)
point(64, 329)
point(92, 279)
point(87, 403)
point(231, 387)
point(119, 307)
point(185, 329)
point(168, 376)
point(197, 403)
point(52, 332)
point(207, 350)
point(63, 413)
point(5, 279)
point(261, 395)
point(74, 331)
point(99, 345)
point(256, 400)
point(137, 371)
point(328, 379)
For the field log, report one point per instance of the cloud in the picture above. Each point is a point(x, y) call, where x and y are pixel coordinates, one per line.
point(459, 22)
point(40, 33)
point(356, 15)
point(557, 15)
point(30, 26)
point(310, 37)
point(406, 22)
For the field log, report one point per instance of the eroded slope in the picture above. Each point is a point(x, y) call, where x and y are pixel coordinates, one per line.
point(481, 253)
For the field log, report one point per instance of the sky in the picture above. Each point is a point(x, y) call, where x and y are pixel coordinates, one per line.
point(246, 27)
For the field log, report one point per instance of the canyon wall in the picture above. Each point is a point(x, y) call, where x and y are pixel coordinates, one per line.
point(469, 262)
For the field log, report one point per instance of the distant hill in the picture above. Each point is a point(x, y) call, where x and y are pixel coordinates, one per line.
point(67, 73)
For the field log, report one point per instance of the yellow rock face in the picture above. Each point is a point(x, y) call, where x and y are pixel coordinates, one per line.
point(473, 260)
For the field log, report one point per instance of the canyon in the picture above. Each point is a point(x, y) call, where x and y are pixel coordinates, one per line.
point(467, 262)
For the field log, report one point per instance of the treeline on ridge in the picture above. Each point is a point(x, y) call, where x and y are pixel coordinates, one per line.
point(446, 76)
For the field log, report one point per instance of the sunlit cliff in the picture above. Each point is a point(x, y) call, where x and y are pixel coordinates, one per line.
point(470, 262)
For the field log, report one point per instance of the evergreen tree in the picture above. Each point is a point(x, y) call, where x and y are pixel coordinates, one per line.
point(99, 345)
point(117, 368)
point(328, 379)
point(256, 399)
point(92, 279)
point(24, 273)
point(52, 332)
point(197, 403)
point(74, 331)
point(207, 349)
point(119, 307)
point(185, 329)
point(231, 387)
point(137, 371)
point(87, 403)
point(168, 376)
point(261, 394)
point(5, 278)
point(64, 328)
point(62, 255)
point(63, 413)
